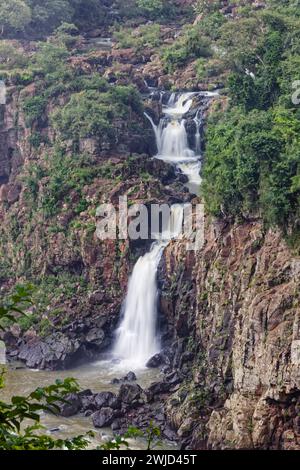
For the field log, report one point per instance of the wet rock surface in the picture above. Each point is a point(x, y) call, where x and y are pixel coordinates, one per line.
point(131, 406)
point(130, 377)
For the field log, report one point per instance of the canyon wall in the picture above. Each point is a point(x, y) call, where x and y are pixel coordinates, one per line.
point(233, 308)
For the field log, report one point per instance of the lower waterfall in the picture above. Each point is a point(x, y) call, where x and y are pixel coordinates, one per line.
point(136, 336)
point(137, 339)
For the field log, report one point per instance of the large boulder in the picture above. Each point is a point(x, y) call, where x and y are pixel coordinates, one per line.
point(130, 377)
point(71, 405)
point(104, 417)
point(155, 361)
point(131, 394)
point(104, 399)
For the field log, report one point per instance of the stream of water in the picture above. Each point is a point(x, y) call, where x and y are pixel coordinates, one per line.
point(137, 338)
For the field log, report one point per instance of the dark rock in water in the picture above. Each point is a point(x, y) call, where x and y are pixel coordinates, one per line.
point(103, 418)
point(85, 393)
point(72, 406)
point(88, 403)
point(168, 354)
point(115, 403)
point(104, 399)
point(115, 381)
point(155, 96)
point(53, 430)
point(130, 393)
point(155, 361)
point(130, 377)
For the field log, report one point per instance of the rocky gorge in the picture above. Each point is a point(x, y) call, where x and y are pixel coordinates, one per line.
point(228, 313)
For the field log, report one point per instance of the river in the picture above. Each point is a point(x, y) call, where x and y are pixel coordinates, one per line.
point(96, 376)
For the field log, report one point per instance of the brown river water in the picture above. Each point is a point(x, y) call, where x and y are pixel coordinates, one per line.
point(95, 376)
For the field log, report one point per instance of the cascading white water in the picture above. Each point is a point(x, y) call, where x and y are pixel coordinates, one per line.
point(174, 143)
point(136, 338)
point(198, 122)
point(172, 140)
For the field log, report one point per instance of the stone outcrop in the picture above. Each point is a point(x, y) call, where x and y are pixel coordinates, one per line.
point(234, 308)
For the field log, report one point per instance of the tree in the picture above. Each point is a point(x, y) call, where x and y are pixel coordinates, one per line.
point(89, 13)
point(49, 14)
point(14, 15)
point(151, 6)
point(205, 7)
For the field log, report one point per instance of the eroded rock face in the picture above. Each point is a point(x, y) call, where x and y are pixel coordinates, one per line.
point(234, 306)
point(80, 325)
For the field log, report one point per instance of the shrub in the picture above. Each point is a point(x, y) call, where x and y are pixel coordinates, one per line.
point(10, 57)
point(144, 36)
point(34, 108)
point(14, 15)
point(187, 47)
point(151, 7)
point(90, 113)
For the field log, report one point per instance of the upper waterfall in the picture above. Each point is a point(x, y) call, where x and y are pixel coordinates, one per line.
point(172, 139)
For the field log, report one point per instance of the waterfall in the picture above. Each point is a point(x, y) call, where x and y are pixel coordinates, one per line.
point(198, 122)
point(177, 107)
point(172, 140)
point(136, 338)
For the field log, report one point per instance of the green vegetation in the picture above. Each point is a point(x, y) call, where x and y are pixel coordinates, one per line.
point(92, 103)
point(40, 17)
point(14, 14)
point(90, 113)
point(190, 45)
point(152, 8)
point(194, 42)
point(10, 57)
point(253, 149)
point(152, 436)
point(15, 433)
point(145, 36)
point(14, 436)
point(50, 290)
